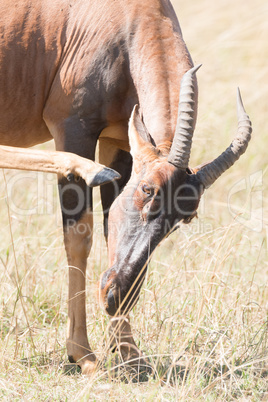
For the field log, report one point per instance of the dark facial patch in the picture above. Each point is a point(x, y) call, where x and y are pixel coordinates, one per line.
point(153, 202)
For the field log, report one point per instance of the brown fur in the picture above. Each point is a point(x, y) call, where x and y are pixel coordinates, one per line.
point(72, 71)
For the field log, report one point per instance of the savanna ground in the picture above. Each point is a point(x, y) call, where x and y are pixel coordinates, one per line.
point(202, 315)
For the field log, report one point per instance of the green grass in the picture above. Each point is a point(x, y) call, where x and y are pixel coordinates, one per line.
point(202, 315)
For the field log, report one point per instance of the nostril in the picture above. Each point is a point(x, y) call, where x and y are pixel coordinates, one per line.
point(111, 305)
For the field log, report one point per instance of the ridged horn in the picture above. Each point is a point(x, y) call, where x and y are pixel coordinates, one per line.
point(210, 173)
point(181, 146)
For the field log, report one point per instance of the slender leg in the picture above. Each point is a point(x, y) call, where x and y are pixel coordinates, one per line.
point(66, 164)
point(76, 205)
point(121, 337)
point(115, 159)
point(76, 202)
point(76, 133)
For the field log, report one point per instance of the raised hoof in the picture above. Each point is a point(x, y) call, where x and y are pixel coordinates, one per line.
point(106, 175)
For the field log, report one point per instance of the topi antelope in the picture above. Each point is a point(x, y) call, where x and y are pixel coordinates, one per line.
point(74, 71)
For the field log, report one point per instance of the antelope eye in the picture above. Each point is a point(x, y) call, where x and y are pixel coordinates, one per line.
point(147, 189)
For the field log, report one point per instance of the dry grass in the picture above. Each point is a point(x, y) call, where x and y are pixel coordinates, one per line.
point(202, 315)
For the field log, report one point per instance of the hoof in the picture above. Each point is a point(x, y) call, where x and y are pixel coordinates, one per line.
point(71, 369)
point(129, 365)
point(90, 368)
point(85, 365)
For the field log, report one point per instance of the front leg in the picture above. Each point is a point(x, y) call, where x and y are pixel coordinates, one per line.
point(76, 203)
point(65, 164)
point(121, 339)
point(78, 137)
point(113, 158)
point(120, 333)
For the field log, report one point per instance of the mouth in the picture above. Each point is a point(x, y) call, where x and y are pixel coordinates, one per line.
point(111, 305)
point(115, 300)
point(106, 289)
point(120, 288)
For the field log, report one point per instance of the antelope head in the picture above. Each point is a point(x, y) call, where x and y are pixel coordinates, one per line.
point(161, 192)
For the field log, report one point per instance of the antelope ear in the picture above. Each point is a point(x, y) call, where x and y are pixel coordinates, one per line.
point(197, 168)
point(139, 137)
